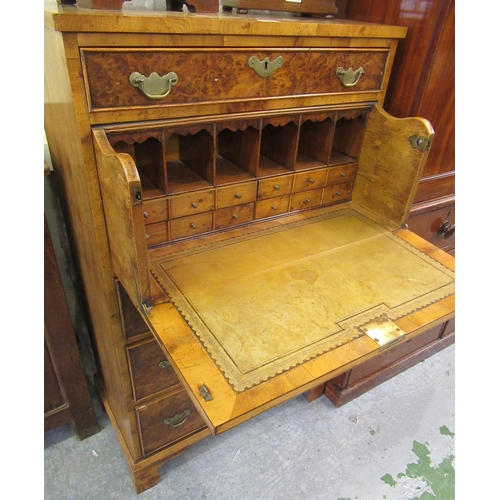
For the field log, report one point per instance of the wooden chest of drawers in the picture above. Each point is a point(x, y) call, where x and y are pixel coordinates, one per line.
point(243, 185)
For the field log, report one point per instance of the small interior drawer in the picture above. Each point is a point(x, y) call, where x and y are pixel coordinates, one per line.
point(167, 420)
point(274, 186)
point(192, 203)
point(149, 369)
point(309, 180)
point(155, 210)
point(190, 225)
point(272, 206)
point(236, 195)
point(306, 199)
point(341, 174)
point(338, 192)
point(232, 216)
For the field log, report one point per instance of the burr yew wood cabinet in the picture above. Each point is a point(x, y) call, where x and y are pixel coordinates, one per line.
point(236, 197)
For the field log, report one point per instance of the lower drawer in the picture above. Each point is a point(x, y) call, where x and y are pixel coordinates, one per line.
point(150, 371)
point(371, 367)
point(167, 420)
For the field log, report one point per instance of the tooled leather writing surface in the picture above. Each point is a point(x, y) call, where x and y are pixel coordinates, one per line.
point(267, 301)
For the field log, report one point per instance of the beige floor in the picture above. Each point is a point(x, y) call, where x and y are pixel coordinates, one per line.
point(396, 442)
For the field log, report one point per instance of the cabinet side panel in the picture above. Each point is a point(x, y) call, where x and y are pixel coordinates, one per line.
point(68, 135)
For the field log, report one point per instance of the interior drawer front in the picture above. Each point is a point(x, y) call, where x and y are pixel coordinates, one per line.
point(156, 233)
point(150, 370)
point(309, 180)
point(191, 203)
point(428, 224)
point(274, 186)
point(205, 75)
point(155, 210)
point(167, 420)
point(306, 199)
point(190, 226)
point(232, 216)
point(341, 174)
point(339, 192)
point(272, 206)
point(236, 195)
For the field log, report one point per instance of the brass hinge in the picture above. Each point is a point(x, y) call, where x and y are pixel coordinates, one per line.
point(420, 142)
point(205, 393)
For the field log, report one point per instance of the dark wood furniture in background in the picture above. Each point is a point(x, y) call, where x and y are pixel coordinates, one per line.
point(422, 84)
point(66, 391)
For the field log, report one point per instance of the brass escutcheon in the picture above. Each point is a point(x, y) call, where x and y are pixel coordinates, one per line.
point(266, 67)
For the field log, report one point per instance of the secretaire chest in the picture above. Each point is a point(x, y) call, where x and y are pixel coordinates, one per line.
point(237, 199)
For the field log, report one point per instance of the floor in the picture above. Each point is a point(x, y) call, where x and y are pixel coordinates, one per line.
point(395, 442)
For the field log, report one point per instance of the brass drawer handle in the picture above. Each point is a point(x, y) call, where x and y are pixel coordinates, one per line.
point(177, 420)
point(165, 365)
point(349, 78)
point(154, 86)
point(266, 67)
point(446, 229)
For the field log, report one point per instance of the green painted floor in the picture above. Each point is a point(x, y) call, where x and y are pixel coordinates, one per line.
point(396, 442)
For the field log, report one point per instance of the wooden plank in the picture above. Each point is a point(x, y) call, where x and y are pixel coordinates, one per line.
point(70, 18)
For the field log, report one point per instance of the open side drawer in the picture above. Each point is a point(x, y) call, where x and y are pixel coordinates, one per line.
point(254, 315)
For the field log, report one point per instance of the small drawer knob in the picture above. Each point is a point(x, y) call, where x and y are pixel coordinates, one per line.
point(342, 174)
point(235, 216)
point(274, 207)
point(311, 180)
point(308, 200)
point(277, 187)
point(192, 225)
point(194, 204)
point(238, 195)
point(146, 215)
point(147, 236)
point(338, 193)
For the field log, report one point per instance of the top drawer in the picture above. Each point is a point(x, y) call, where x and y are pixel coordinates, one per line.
point(225, 75)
